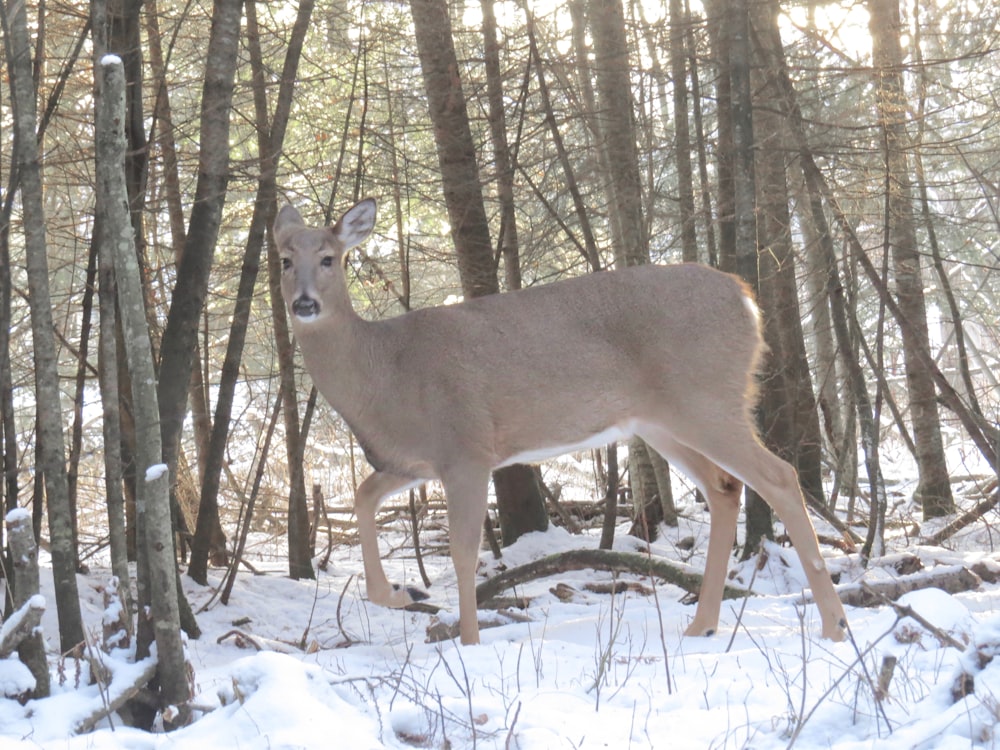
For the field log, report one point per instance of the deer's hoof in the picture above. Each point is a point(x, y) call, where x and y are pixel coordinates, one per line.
point(404, 595)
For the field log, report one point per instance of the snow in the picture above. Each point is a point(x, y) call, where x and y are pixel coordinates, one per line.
point(109, 60)
point(156, 471)
point(594, 671)
point(18, 515)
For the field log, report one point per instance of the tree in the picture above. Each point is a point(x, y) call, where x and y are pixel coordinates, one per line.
point(519, 499)
point(934, 488)
point(50, 446)
point(652, 494)
point(270, 136)
point(157, 566)
point(188, 298)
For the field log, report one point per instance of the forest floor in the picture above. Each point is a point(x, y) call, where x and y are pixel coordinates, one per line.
point(584, 670)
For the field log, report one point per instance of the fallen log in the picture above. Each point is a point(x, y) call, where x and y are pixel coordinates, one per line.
point(598, 559)
point(952, 579)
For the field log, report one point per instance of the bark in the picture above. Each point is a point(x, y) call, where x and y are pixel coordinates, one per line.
point(617, 129)
point(153, 490)
point(271, 135)
point(679, 23)
point(719, 34)
point(732, 45)
point(518, 495)
point(833, 399)
point(299, 561)
point(952, 579)
point(79, 390)
point(610, 499)
point(934, 487)
point(508, 242)
point(8, 428)
point(615, 125)
point(51, 458)
point(790, 419)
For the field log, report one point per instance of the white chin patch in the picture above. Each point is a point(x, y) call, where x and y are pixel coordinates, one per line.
point(306, 318)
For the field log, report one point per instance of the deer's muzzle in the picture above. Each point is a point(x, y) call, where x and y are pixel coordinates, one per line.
point(305, 307)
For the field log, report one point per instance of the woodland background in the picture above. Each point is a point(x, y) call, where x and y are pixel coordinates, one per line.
point(841, 157)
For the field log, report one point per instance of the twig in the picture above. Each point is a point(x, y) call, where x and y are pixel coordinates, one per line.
point(905, 610)
point(510, 730)
point(340, 606)
point(833, 686)
point(753, 577)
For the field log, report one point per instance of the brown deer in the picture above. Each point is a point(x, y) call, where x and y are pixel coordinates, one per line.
point(668, 353)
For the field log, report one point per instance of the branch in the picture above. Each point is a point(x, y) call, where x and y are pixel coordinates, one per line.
point(964, 520)
point(597, 559)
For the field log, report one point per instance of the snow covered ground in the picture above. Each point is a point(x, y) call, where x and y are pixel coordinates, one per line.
point(594, 671)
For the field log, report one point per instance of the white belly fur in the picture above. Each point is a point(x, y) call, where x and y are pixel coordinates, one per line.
point(599, 440)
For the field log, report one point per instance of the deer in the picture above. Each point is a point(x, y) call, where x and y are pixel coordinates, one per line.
point(666, 352)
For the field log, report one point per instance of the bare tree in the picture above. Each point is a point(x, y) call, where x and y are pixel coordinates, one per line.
point(934, 488)
point(50, 446)
point(519, 499)
point(158, 592)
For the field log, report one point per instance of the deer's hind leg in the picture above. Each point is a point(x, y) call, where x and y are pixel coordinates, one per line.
point(722, 493)
point(736, 449)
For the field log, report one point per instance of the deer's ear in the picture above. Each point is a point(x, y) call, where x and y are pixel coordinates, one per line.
point(355, 225)
point(288, 218)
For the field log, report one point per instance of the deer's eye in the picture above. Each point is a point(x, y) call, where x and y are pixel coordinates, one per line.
point(286, 264)
point(327, 261)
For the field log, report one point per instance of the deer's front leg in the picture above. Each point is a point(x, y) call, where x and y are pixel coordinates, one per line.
point(371, 492)
point(466, 493)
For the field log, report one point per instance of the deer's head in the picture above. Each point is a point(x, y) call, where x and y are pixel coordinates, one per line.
point(313, 260)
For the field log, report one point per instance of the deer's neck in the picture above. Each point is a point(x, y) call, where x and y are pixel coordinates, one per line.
point(337, 354)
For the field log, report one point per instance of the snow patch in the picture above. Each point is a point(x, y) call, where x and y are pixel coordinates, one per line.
point(155, 471)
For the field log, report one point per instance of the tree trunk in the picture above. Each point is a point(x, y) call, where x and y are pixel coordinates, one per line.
point(188, 298)
point(679, 22)
point(934, 487)
point(270, 139)
point(51, 443)
point(516, 487)
point(153, 490)
point(509, 247)
point(790, 411)
point(616, 128)
point(875, 542)
point(79, 391)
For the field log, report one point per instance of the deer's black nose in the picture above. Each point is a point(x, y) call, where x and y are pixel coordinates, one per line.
point(305, 307)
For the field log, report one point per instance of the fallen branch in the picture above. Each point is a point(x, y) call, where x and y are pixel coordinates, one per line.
point(118, 696)
point(951, 579)
point(969, 517)
point(597, 559)
point(905, 610)
point(243, 640)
